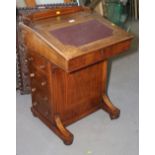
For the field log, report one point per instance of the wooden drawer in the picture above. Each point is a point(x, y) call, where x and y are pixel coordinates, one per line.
point(39, 82)
point(97, 56)
point(37, 62)
point(41, 103)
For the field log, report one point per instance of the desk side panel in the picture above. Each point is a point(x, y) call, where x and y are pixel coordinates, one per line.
point(34, 42)
point(77, 94)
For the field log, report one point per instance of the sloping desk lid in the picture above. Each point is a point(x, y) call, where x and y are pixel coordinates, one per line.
point(82, 33)
point(76, 34)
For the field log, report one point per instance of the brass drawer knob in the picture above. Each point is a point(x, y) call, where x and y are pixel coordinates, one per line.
point(32, 75)
point(58, 12)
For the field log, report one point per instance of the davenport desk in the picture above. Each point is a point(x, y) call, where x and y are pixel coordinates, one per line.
point(67, 52)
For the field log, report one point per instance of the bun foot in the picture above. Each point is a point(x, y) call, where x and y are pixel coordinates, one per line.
point(68, 142)
point(115, 114)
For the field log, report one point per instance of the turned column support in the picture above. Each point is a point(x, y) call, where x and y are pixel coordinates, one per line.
point(107, 105)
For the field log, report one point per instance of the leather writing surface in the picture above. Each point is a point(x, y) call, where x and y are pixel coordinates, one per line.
point(82, 33)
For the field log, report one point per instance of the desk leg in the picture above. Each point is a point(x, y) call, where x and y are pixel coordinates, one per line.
point(107, 105)
point(62, 132)
point(57, 127)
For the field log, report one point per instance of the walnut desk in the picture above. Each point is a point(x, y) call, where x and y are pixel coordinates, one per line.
point(68, 52)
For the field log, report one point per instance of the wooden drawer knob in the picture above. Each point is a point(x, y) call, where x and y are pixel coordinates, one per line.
point(32, 75)
point(34, 103)
point(43, 83)
point(33, 89)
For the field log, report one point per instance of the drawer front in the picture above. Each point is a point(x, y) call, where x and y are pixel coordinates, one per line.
point(41, 103)
point(37, 62)
point(39, 81)
point(97, 56)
